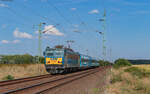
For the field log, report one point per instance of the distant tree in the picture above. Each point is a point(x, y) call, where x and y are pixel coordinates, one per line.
point(142, 61)
point(121, 63)
point(104, 63)
point(18, 59)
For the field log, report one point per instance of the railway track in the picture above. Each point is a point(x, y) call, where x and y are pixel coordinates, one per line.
point(61, 83)
point(28, 86)
point(10, 82)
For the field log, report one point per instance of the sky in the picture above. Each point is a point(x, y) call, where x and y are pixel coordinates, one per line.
point(127, 26)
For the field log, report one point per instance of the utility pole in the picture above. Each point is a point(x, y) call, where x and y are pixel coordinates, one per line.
point(103, 20)
point(110, 55)
point(40, 41)
point(39, 46)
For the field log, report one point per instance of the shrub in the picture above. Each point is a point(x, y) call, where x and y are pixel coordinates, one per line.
point(116, 78)
point(8, 77)
point(121, 63)
point(137, 72)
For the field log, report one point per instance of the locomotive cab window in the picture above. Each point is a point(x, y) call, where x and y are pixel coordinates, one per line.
point(50, 54)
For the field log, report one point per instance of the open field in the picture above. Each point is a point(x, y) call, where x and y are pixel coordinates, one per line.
point(130, 80)
point(147, 67)
point(21, 70)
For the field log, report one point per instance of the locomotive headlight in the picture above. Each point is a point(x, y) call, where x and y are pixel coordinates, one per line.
point(59, 61)
point(48, 62)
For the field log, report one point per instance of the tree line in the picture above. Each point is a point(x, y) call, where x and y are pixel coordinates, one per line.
point(20, 59)
point(29, 59)
point(138, 62)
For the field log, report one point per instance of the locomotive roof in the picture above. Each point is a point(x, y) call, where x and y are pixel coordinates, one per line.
point(68, 49)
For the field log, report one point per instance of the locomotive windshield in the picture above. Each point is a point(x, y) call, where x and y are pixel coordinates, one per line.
point(55, 53)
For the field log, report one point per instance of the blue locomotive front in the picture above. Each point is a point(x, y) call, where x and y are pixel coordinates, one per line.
point(59, 60)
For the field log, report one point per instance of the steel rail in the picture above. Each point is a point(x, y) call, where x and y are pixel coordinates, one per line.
point(64, 83)
point(21, 80)
point(40, 84)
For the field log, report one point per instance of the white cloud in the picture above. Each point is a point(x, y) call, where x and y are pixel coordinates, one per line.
point(16, 41)
point(19, 34)
point(95, 11)
point(3, 5)
point(73, 9)
point(51, 30)
point(5, 41)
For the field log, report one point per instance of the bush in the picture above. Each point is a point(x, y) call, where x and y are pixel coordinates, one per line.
point(8, 77)
point(138, 72)
point(121, 63)
point(116, 78)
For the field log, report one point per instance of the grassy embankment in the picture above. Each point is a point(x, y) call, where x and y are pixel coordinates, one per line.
point(15, 71)
point(130, 80)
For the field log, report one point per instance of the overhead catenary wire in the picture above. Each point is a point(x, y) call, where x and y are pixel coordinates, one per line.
point(37, 14)
point(81, 21)
point(15, 13)
point(84, 23)
point(12, 20)
point(59, 12)
point(33, 11)
point(64, 16)
point(21, 16)
point(68, 21)
point(47, 18)
point(26, 21)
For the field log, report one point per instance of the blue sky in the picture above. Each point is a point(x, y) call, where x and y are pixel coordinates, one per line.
point(127, 26)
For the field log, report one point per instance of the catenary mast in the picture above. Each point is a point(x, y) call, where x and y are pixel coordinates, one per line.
point(103, 20)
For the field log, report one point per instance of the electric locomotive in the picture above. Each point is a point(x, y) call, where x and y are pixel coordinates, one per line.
point(60, 60)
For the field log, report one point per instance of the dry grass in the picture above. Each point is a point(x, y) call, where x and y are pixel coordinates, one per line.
point(21, 70)
point(147, 67)
point(126, 83)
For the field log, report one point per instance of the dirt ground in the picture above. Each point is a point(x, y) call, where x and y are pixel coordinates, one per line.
point(92, 84)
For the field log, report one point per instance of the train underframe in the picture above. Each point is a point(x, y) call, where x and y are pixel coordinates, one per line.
point(59, 69)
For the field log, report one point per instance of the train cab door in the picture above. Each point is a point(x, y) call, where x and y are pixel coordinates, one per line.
point(65, 59)
point(79, 61)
